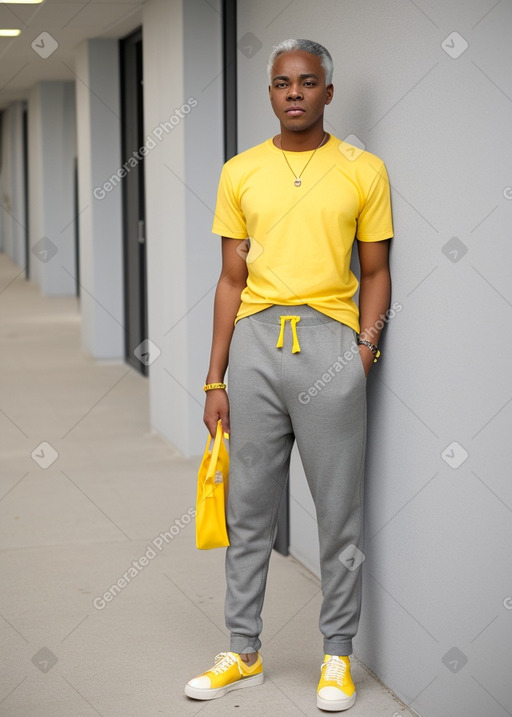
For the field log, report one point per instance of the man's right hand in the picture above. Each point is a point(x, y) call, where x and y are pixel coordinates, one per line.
point(216, 406)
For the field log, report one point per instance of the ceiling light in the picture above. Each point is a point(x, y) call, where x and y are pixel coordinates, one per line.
point(9, 33)
point(20, 2)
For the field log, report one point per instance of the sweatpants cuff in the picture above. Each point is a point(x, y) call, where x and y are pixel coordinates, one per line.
point(343, 648)
point(242, 644)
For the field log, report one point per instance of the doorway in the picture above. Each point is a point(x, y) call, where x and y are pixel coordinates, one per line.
point(25, 190)
point(134, 235)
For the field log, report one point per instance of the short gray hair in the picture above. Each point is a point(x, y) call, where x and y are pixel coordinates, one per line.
point(307, 46)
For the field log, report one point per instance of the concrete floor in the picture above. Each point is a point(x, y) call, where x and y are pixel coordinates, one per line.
point(86, 490)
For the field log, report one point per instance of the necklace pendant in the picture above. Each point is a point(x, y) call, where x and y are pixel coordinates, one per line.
point(297, 182)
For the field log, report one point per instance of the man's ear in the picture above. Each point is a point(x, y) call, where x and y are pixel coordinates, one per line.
point(330, 92)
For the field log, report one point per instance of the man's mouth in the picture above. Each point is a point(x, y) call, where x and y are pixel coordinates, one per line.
point(294, 111)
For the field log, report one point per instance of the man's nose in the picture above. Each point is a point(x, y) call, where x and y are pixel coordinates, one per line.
point(294, 92)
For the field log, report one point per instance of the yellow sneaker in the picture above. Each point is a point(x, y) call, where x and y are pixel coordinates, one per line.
point(228, 673)
point(336, 691)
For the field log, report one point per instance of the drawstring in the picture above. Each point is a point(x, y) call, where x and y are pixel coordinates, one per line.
point(293, 320)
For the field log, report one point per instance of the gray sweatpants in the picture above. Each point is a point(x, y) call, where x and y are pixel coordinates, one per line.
point(317, 396)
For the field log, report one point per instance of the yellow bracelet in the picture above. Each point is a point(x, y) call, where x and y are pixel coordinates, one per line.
point(211, 386)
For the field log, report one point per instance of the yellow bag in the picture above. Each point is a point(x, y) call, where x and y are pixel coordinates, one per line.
point(212, 492)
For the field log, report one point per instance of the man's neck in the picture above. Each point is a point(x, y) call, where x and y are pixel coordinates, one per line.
point(300, 141)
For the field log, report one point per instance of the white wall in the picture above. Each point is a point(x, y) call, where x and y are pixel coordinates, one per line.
point(51, 156)
point(182, 66)
point(437, 569)
point(12, 187)
point(100, 209)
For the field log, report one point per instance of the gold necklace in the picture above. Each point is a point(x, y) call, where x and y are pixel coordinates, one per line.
point(298, 181)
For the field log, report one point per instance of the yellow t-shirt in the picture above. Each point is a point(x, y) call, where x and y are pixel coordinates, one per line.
point(301, 237)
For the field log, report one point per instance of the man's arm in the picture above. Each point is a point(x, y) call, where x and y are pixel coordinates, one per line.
point(232, 281)
point(374, 293)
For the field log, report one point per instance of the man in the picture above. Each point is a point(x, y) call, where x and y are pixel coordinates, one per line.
point(299, 351)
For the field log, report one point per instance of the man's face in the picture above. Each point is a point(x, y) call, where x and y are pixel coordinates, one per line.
point(298, 93)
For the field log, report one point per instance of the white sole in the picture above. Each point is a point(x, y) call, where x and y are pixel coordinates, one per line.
point(210, 694)
point(335, 705)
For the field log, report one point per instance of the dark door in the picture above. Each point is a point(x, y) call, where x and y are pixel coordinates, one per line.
point(134, 250)
point(77, 228)
point(25, 186)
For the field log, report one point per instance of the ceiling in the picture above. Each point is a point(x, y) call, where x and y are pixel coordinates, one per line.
point(68, 23)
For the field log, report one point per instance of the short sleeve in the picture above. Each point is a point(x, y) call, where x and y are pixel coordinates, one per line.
point(229, 218)
point(375, 221)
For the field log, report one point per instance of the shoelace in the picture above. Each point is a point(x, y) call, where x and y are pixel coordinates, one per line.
point(223, 662)
point(334, 669)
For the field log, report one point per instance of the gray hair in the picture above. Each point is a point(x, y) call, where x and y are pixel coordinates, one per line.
point(307, 46)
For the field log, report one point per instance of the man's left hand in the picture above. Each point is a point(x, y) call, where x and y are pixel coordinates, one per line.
point(366, 357)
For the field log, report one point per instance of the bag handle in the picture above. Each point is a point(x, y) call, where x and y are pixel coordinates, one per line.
point(215, 452)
